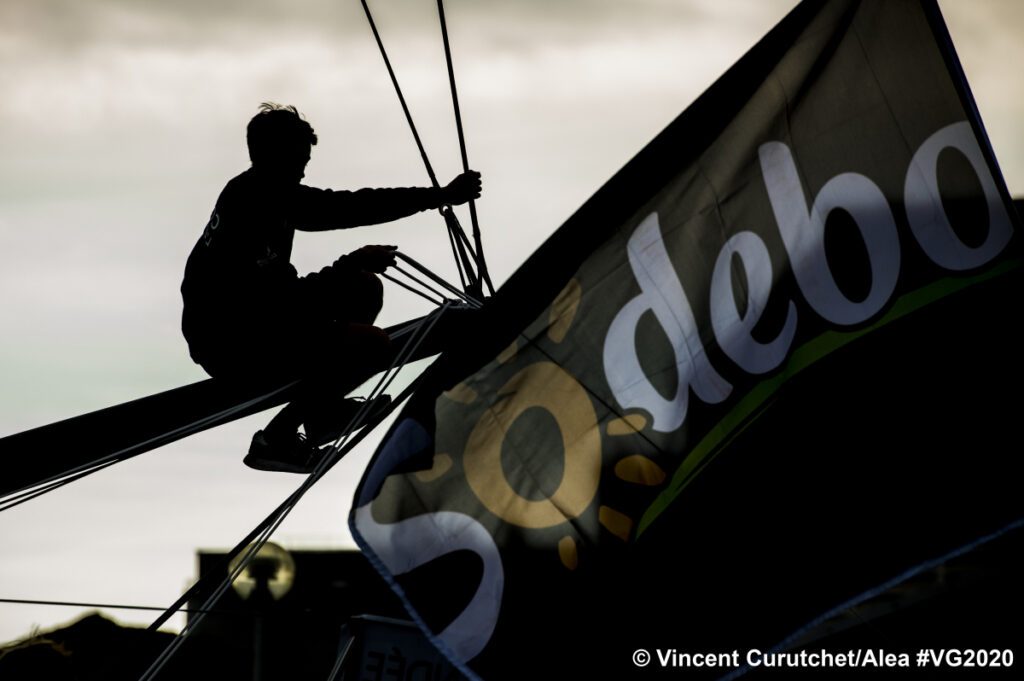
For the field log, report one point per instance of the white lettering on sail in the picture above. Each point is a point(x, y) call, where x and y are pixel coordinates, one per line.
point(733, 327)
point(803, 233)
point(662, 294)
point(409, 543)
point(802, 228)
point(928, 220)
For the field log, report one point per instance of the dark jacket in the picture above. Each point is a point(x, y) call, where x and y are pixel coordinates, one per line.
point(238, 278)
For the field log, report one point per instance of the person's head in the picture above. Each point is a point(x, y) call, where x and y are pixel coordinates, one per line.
point(279, 141)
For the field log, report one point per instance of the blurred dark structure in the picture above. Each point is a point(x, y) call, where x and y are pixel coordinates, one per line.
point(336, 603)
point(91, 648)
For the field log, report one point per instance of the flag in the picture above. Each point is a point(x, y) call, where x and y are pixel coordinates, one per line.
point(756, 375)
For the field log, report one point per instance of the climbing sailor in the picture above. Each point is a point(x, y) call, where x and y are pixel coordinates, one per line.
point(249, 317)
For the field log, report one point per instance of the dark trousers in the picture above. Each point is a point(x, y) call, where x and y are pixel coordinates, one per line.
point(320, 331)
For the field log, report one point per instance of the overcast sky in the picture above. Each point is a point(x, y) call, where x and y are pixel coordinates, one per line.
point(121, 120)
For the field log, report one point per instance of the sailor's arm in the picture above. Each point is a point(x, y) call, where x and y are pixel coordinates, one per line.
point(323, 209)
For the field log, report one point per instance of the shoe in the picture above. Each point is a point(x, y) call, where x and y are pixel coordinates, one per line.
point(322, 430)
point(294, 454)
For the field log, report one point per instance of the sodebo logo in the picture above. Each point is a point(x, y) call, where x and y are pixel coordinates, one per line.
point(474, 429)
point(802, 228)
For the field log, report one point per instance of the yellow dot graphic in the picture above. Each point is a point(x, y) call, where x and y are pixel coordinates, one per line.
point(563, 311)
point(462, 394)
point(615, 522)
point(547, 386)
point(639, 470)
point(627, 425)
point(509, 353)
point(567, 552)
point(442, 463)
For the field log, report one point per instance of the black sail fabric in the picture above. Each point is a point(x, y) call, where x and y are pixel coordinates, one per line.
point(762, 371)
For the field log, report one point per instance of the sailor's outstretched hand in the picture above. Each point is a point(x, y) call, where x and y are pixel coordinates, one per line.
point(373, 258)
point(463, 188)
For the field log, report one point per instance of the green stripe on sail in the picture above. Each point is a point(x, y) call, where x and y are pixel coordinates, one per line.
point(758, 399)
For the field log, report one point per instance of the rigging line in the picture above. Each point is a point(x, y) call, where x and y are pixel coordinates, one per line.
point(464, 297)
point(270, 524)
point(111, 606)
point(341, 660)
point(179, 640)
point(419, 336)
point(356, 422)
point(260, 534)
point(453, 241)
point(411, 345)
point(27, 494)
point(79, 472)
point(250, 544)
point(455, 227)
point(51, 487)
point(414, 343)
point(408, 118)
point(331, 457)
point(410, 288)
point(194, 590)
point(426, 285)
point(461, 233)
point(481, 263)
point(438, 280)
point(202, 582)
point(411, 327)
point(461, 245)
point(401, 97)
point(451, 288)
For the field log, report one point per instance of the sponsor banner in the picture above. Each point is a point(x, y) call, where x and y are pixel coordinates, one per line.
point(761, 313)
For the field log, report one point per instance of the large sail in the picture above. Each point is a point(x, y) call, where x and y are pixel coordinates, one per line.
point(748, 380)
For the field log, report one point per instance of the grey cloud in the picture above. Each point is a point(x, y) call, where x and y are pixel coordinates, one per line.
point(71, 25)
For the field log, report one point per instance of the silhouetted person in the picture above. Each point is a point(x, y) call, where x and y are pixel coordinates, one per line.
point(249, 316)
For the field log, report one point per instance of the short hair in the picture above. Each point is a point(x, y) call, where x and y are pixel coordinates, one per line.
point(275, 129)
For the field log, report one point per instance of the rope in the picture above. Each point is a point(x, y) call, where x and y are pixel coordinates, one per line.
point(336, 671)
point(410, 288)
point(455, 231)
point(419, 335)
point(412, 277)
point(455, 253)
point(22, 497)
point(261, 534)
point(57, 481)
point(250, 545)
point(252, 536)
point(109, 606)
point(401, 97)
point(415, 133)
point(480, 261)
point(423, 332)
point(438, 280)
point(469, 276)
